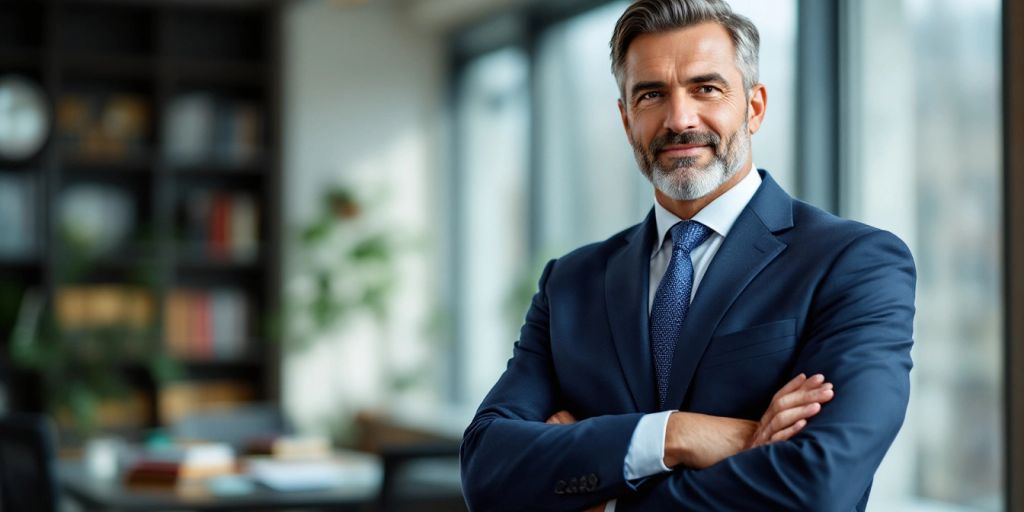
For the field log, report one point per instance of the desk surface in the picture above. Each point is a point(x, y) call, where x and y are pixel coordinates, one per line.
point(112, 495)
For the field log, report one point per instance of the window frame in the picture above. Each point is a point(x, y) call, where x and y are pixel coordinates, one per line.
point(1013, 252)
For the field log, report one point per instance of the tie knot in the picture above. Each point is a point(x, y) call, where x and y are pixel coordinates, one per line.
point(688, 234)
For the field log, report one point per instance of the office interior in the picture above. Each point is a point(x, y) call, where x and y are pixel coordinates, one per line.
point(296, 239)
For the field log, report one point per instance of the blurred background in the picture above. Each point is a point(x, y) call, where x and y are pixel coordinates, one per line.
point(323, 220)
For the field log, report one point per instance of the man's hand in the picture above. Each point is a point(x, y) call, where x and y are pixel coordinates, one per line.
point(699, 440)
point(791, 406)
point(561, 418)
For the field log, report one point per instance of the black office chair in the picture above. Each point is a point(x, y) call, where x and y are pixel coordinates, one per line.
point(421, 477)
point(28, 464)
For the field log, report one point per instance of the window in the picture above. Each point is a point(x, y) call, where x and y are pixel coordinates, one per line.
point(924, 161)
point(491, 240)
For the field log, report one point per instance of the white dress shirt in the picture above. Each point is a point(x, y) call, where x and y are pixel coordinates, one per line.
point(647, 446)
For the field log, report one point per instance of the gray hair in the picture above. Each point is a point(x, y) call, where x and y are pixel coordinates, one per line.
point(654, 16)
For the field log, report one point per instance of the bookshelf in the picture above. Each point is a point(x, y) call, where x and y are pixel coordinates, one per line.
point(160, 180)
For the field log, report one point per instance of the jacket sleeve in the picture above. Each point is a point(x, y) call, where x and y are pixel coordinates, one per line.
point(512, 460)
point(858, 335)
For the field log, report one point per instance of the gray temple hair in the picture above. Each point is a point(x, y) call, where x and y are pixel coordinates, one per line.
point(654, 16)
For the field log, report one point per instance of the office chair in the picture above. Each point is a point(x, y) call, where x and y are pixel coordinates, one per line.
point(28, 474)
point(421, 477)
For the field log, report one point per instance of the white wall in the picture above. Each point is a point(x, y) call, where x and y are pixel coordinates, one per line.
point(362, 105)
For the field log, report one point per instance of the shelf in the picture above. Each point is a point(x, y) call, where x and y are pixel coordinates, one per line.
point(19, 264)
point(18, 57)
point(199, 264)
point(32, 163)
point(107, 66)
point(217, 72)
point(132, 165)
point(254, 168)
point(237, 362)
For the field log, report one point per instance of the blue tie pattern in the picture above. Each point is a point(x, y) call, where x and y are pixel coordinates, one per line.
point(672, 300)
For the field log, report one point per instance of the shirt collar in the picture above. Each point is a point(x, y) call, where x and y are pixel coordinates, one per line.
point(719, 215)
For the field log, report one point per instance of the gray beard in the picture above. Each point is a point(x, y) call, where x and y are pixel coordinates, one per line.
point(686, 184)
point(683, 182)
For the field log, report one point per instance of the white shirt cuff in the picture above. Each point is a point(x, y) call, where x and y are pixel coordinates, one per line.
point(610, 506)
point(646, 453)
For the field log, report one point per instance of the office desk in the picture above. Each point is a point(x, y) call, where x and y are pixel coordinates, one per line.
point(111, 495)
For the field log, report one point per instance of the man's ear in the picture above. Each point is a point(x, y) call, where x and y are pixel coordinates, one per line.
point(625, 120)
point(756, 107)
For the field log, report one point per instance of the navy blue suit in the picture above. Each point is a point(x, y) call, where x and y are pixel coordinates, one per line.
point(792, 289)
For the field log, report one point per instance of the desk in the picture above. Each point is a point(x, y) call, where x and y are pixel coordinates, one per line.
point(110, 495)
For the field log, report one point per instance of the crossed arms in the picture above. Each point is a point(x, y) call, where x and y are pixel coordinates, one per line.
point(858, 333)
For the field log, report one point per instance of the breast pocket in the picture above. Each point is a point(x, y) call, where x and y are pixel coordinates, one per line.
point(760, 341)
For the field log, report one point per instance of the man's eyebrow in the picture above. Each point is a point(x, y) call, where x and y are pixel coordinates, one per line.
point(707, 77)
point(645, 86)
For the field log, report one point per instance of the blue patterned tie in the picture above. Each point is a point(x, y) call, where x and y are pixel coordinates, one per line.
point(672, 300)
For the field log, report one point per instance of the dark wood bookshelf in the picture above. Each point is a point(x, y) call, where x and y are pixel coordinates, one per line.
point(149, 55)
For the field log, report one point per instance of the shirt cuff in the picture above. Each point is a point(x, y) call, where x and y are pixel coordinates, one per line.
point(610, 506)
point(646, 453)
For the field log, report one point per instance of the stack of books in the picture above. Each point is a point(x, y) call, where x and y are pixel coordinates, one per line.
point(170, 466)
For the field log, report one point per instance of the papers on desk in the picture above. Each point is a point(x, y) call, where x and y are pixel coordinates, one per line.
point(314, 475)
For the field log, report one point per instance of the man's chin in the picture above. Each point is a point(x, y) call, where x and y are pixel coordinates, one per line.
point(686, 184)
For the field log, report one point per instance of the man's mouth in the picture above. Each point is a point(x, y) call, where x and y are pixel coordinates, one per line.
point(681, 150)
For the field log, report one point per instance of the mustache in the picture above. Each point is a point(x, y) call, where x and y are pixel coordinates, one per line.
point(672, 139)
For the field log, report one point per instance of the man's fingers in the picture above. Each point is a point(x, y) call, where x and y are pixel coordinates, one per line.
point(791, 409)
point(789, 417)
point(788, 432)
point(792, 385)
point(818, 393)
point(561, 418)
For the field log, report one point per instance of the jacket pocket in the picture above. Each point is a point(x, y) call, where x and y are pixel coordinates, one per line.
point(759, 340)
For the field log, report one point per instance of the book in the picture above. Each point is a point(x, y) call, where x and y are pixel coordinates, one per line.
point(170, 465)
point(181, 399)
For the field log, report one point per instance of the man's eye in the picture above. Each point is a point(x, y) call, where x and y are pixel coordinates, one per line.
point(707, 89)
point(649, 96)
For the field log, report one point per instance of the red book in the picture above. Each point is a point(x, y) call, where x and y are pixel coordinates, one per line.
point(205, 329)
point(219, 225)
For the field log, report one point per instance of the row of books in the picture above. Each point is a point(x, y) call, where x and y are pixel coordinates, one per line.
point(203, 127)
point(207, 324)
point(103, 306)
point(220, 225)
point(17, 215)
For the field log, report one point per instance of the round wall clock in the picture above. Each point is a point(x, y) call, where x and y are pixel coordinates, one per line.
point(24, 117)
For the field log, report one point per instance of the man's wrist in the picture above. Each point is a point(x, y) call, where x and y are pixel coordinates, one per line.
point(675, 444)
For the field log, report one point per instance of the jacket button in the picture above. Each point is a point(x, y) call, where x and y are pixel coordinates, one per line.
point(573, 487)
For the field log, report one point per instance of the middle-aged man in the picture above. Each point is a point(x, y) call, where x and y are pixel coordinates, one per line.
point(682, 363)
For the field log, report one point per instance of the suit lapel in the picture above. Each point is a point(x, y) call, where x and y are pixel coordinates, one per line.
point(746, 251)
point(626, 289)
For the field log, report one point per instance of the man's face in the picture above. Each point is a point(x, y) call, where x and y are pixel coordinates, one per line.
point(685, 110)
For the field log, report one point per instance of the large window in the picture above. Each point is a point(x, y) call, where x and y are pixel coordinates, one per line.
point(924, 146)
point(493, 131)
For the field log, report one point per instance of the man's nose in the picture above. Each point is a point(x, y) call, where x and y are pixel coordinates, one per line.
point(682, 114)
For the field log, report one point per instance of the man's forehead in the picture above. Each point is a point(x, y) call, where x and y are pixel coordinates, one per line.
point(695, 50)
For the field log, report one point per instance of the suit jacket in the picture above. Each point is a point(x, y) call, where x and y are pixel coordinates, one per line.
point(792, 289)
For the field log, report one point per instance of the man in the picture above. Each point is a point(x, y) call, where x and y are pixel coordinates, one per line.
point(667, 367)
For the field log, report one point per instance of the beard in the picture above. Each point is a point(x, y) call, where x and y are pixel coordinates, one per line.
point(681, 179)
